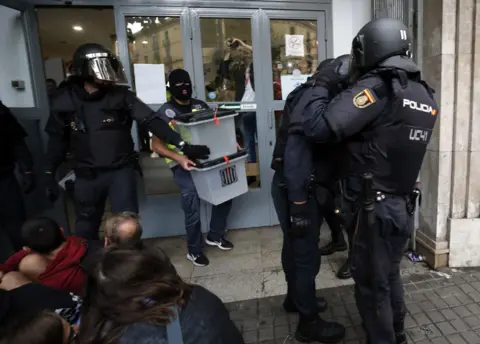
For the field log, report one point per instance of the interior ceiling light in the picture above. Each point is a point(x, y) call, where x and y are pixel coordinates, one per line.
point(144, 42)
point(135, 27)
point(77, 28)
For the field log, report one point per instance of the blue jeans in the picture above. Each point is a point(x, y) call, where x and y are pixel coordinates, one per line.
point(250, 128)
point(191, 208)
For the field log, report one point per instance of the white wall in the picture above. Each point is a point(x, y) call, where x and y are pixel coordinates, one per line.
point(348, 18)
point(54, 69)
point(14, 60)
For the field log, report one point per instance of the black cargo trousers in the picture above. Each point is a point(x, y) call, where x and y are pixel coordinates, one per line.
point(92, 188)
point(376, 256)
point(300, 255)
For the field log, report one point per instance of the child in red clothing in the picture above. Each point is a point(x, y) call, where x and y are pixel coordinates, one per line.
point(49, 258)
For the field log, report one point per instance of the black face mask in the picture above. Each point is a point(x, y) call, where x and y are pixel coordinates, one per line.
point(181, 92)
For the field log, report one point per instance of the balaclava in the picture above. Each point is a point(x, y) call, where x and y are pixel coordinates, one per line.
point(182, 92)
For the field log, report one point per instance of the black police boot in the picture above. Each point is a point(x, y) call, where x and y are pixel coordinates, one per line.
point(401, 338)
point(315, 329)
point(290, 307)
point(335, 245)
point(344, 272)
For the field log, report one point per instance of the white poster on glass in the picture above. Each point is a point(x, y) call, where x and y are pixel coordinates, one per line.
point(294, 46)
point(290, 82)
point(150, 83)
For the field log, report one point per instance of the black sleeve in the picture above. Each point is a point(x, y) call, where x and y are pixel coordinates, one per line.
point(23, 157)
point(144, 115)
point(314, 125)
point(10, 126)
point(297, 167)
point(57, 143)
point(354, 108)
point(204, 105)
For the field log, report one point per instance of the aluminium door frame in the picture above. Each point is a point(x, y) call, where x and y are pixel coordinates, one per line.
point(323, 20)
point(39, 112)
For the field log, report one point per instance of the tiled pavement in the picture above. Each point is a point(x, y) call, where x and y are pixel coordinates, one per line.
point(250, 280)
point(440, 311)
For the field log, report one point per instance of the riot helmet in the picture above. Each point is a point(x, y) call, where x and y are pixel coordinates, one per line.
point(342, 65)
point(377, 41)
point(94, 62)
point(323, 64)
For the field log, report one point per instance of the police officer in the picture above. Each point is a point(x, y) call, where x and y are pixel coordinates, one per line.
point(181, 103)
point(301, 203)
point(13, 151)
point(98, 114)
point(386, 119)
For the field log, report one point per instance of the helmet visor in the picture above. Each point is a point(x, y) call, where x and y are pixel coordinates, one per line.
point(107, 68)
point(354, 66)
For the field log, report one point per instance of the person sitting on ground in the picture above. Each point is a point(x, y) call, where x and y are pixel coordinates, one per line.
point(40, 327)
point(49, 257)
point(133, 296)
point(21, 296)
point(121, 229)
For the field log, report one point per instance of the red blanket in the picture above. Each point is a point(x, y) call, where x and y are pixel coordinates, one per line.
point(64, 271)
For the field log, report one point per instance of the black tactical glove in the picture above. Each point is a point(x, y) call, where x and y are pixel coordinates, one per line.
point(195, 151)
point(52, 190)
point(28, 182)
point(300, 219)
point(329, 78)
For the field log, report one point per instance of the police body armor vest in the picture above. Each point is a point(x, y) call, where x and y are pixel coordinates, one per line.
point(325, 156)
point(100, 128)
point(394, 144)
point(287, 126)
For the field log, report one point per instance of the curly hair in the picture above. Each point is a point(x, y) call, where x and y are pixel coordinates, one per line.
point(130, 286)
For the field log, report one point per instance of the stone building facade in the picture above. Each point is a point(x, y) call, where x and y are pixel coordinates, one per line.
point(449, 227)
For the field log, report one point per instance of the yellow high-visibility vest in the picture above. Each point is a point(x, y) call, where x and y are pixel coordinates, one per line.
point(183, 134)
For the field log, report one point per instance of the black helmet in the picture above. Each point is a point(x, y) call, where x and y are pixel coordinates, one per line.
point(93, 60)
point(378, 40)
point(342, 64)
point(323, 64)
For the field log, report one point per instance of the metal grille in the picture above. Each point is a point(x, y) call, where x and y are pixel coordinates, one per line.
point(403, 10)
point(397, 9)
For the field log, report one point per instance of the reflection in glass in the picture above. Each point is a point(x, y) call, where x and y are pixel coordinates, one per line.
point(155, 40)
point(294, 52)
point(227, 54)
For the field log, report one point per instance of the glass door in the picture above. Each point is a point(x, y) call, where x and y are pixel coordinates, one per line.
point(153, 41)
point(295, 43)
point(23, 91)
point(229, 57)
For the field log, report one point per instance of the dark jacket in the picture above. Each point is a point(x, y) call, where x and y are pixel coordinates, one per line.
point(204, 320)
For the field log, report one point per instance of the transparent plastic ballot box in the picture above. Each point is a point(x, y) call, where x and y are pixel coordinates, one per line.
point(222, 179)
point(214, 128)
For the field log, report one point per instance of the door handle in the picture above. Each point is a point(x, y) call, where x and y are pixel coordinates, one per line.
point(270, 119)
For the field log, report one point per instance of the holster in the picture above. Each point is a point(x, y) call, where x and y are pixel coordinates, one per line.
point(344, 204)
point(411, 201)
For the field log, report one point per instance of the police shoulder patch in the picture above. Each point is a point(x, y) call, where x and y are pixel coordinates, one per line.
point(170, 113)
point(364, 99)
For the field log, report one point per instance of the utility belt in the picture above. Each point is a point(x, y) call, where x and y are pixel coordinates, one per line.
point(347, 205)
point(93, 172)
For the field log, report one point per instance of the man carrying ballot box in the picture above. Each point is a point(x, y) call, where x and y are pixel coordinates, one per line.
point(181, 103)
